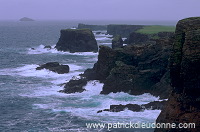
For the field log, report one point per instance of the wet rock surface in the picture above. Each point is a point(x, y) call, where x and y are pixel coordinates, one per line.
point(156, 105)
point(55, 67)
point(74, 86)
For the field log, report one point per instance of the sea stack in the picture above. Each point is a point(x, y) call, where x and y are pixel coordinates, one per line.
point(117, 42)
point(77, 40)
point(183, 105)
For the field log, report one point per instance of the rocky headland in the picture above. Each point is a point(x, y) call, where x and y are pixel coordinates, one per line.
point(133, 69)
point(123, 30)
point(162, 64)
point(92, 27)
point(183, 105)
point(77, 40)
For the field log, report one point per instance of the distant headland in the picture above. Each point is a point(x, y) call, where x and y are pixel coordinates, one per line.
point(26, 19)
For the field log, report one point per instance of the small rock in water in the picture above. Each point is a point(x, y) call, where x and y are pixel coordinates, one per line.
point(55, 67)
point(47, 47)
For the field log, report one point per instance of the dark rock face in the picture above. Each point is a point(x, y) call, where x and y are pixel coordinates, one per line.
point(123, 30)
point(117, 42)
point(92, 27)
point(165, 34)
point(156, 105)
point(26, 19)
point(135, 69)
point(77, 40)
point(105, 63)
point(140, 38)
point(183, 105)
point(136, 38)
point(74, 86)
point(55, 67)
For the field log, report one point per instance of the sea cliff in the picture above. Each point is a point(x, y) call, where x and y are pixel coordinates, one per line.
point(183, 105)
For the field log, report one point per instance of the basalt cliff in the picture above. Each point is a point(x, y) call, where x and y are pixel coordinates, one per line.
point(183, 105)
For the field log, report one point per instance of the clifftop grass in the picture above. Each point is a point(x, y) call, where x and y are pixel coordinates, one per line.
point(156, 29)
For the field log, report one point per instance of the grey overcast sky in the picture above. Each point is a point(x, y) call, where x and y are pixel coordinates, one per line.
point(99, 9)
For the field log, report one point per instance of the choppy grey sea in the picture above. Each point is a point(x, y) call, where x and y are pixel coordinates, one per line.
point(29, 98)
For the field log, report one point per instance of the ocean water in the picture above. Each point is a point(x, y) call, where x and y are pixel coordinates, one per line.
point(29, 98)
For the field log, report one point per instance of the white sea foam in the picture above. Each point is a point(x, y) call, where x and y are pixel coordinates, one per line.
point(124, 44)
point(103, 38)
point(41, 50)
point(2, 83)
point(54, 78)
point(105, 43)
point(87, 103)
point(124, 39)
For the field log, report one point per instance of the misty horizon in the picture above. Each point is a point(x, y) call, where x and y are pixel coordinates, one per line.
point(112, 10)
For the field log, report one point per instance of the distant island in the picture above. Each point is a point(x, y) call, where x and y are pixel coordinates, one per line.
point(26, 19)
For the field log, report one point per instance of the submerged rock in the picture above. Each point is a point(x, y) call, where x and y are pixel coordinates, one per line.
point(98, 32)
point(183, 105)
point(47, 47)
point(55, 67)
point(156, 105)
point(77, 40)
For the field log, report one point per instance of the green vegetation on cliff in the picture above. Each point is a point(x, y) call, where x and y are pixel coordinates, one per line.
point(153, 29)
